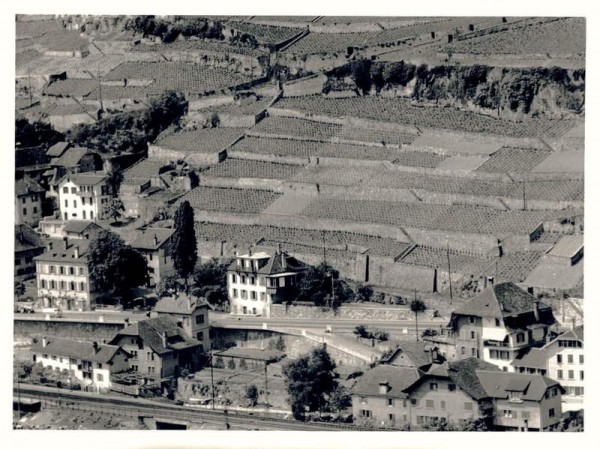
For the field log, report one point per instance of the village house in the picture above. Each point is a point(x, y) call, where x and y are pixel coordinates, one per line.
point(63, 275)
point(562, 360)
point(496, 326)
point(82, 196)
point(89, 362)
point(73, 229)
point(28, 245)
point(28, 201)
point(155, 245)
point(191, 313)
point(160, 348)
point(257, 279)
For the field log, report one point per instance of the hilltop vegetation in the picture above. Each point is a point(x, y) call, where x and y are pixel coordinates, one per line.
point(510, 92)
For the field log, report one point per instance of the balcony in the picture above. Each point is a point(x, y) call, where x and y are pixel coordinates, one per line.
point(496, 344)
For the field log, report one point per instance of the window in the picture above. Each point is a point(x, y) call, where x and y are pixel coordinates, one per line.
point(390, 402)
point(525, 415)
point(253, 295)
point(34, 198)
point(150, 370)
point(443, 405)
point(471, 319)
point(71, 270)
point(414, 402)
point(472, 335)
point(61, 270)
point(391, 417)
point(82, 286)
point(497, 322)
point(570, 358)
point(24, 199)
point(234, 292)
point(428, 403)
point(133, 354)
point(99, 365)
point(580, 375)
point(150, 356)
point(559, 358)
point(365, 413)
point(473, 352)
point(233, 278)
point(554, 392)
point(252, 280)
point(66, 216)
point(81, 271)
point(363, 400)
point(451, 387)
point(468, 406)
point(507, 413)
point(551, 413)
point(559, 374)
point(74, 203)
point(433, 386)
point(66, 203)
point(73, 190)
point(262, 296)
point(72, 286)
point(200, 336)
point(571, 374)
point(65, 190)
point(62, 285)
point(134, 367)
point(462, 350)
point(43, 283)
point(53, 357)
point(84, 214)
point(91, 201)
point(199, 319)
point(52, 269)
point(53, 284)
point(24, 211)
point(242, 279)
point(581, 359)
point(520, 337)
point(253, 310)
point(91, 215)
point(34, 210)
point(244, 294)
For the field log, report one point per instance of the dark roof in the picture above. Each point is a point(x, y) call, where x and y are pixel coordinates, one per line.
point(463, 374)
point(146, 239)
point(59, 253)
point(265, 355)
point(152, 330)
point(182, 304)
point(499, 301)
point(70, 157)
point(497, 384)
point(83, 350)
point(87, 179)
point(411, 353)
point(26, 238)
point(274, 265)
point(58, 149)
point(78, 226)
point(533, 358)
point(27, 186)
point(399, 378)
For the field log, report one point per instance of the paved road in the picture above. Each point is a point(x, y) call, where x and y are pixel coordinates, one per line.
point(225, 320)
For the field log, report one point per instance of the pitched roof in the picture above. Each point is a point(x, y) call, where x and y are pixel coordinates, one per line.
point(87, 179)
point(266, 355)
point(26, 238)
point(78, 226)
point(573, 334)
point(70, 157)
point(182, 304)
point(534, 358)
point(464, 374)
point(502, 300)
point(58, 149)
point(152, 330)
point(497, 384)
point(398, 378)
point(60, 253)
point(83, 350)
point(567, 246)
point(274, 264)
point(27, 186)
point(151, 238)
point(411, 353)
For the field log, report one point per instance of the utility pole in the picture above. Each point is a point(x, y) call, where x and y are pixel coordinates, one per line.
point(449, 271)
point(266, 388)
point(212, 381)
point(332, 291)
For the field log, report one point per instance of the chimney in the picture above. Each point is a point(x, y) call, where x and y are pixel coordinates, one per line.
point(283, 261)
point(163, 337)
point(87, 236)
point(383, 387)
point(572, 323)
point(155, 240)
point(536, 309)
point(49, 246)
point(249, 250)
point(66, 243)
point(279, 248)
point(95, 346)
point(44, 342)
point(126, 322)
point(76, 252)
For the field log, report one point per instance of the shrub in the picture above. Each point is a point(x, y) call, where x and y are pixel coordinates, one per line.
point(219, 363)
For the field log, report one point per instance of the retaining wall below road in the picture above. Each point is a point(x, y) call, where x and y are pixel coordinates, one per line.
point(346, 313)
point(66, 329)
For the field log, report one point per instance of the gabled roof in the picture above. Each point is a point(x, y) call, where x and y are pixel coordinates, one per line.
point(26, 238)
point(182, 304)
point(57, 149)
point(533, 358)
point(83, 350)
point(78, 226)
point(411, 353)
point(567, 246)
point(151, 238)
point(27, 186)
point(498, 384)
point(573, 334)
point(464, 374)
point(398, 379)
point(70, 158)
point(152, 330)
point(87, 179)
point(59, 253)
point(500, 301)
point(274, 265)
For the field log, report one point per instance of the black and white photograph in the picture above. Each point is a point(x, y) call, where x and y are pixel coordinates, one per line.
point(298, 223)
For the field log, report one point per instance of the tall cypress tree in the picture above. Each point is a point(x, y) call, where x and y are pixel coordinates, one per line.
point(185, 246)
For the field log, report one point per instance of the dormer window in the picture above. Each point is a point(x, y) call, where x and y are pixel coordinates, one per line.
point(472, 319)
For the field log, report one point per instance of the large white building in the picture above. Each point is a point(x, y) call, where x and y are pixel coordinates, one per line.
point(89, 362)
point(82, 196)
point(257, 279)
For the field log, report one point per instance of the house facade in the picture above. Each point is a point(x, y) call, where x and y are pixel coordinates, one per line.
point(89, 362)
point(28, 245)
point(28, 201)
point(257, 279)
point(498, 325)
point(82, 196)
point(192, 315)
point(160, 349)
point(155, 245)
point(63, 275)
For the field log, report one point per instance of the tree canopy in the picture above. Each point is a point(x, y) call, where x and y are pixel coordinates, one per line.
point(113, 208)
point(34, 134)
point(315, 286)
point(114, 265)
point(185, 247)
point(210, 282)
point(311, 382)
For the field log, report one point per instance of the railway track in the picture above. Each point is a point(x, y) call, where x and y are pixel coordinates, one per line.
point(145, 408)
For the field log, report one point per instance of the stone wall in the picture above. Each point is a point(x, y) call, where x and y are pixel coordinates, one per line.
point(66, 329)
point(346, 313)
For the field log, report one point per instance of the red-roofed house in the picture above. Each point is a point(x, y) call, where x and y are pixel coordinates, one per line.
point(257, 279)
